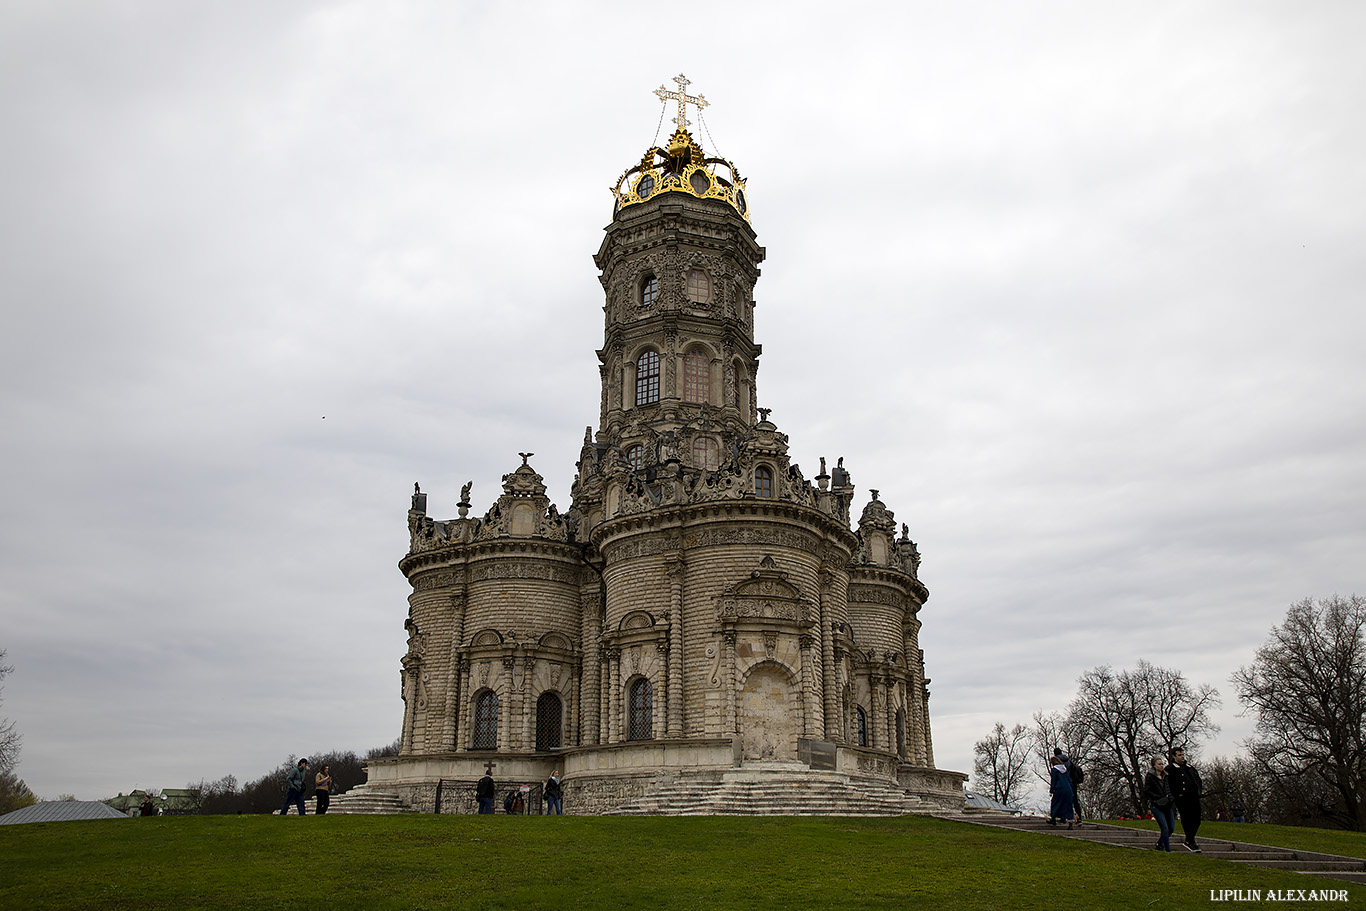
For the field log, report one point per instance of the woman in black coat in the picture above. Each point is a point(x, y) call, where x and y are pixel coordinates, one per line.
point(1159, 793)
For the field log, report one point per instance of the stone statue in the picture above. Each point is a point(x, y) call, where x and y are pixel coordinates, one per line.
point(465, 492)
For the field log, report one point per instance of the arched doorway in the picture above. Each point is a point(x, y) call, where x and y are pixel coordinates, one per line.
point(770, 718)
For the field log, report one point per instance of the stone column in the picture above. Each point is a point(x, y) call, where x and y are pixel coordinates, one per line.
point(408, 685)
point(467, 706)
point(528, 703)
point(614, 695)
point(450, 715)
point(512, 728)
point(573, 735)
point(929, 743)
point(809, 706)
point(829, 680)
point(674, 571)
point(591, 601)
point(661, 711)
point(877, 707)
point(731, 726)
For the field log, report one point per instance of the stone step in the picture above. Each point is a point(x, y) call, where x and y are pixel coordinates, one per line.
point(1311, 863)
point(361, 802)
point(772, 791)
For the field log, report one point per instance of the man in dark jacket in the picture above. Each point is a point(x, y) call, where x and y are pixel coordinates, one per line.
point(484, 792)
point(297, 783)
point(1186, 788)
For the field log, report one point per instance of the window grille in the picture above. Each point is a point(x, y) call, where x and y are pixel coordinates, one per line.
point(699, 287)
point(486, 721)
point(763, 482)
point(641, 701)
point(696, 377)
point(647, 378)
point(704, 454)
point(549, 714)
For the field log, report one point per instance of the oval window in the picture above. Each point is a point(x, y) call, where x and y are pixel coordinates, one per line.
point(700, 182)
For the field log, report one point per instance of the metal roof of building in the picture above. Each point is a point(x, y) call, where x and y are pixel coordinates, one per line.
point(61, 811)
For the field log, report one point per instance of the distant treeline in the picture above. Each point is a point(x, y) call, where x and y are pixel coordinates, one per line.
point(267, 793)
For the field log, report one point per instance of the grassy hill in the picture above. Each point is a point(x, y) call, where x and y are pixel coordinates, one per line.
point(457, 862)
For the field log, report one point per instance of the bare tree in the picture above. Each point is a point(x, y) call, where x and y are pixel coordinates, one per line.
point(1125, 717)
point(1000, 760)
point(9, 737)
point(1307, 685)
point(1054, 731)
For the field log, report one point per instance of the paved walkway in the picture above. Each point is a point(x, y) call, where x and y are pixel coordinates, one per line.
point(1331, 866)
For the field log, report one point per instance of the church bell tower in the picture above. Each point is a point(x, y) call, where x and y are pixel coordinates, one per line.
point(678, 267)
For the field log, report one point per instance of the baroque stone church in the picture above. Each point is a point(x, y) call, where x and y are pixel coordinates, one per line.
point(702, 616)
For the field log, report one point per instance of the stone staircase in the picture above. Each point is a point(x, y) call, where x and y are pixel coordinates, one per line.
point(772, 791)
point(1329, 866)
point(360, 801)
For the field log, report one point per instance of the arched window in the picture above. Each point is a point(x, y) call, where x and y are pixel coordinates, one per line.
point(900, 734)
point(763, 482)
point(649, 291)
point(696, 377)
point(486, 721)
point(641, 709)
point(549, 712)
point(862, 726)
point(699, 287)
point(647, 378)
point(636, 456)
point(704, 454)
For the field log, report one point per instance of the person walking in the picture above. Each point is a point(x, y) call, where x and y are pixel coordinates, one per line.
point(484, 792)
point(1060, 786)
point(554, 805)
point(1186, 788)
point(1237, 810)
point(1159, 793)
point(296, 783)
point(1075, 773)
point(323, 791)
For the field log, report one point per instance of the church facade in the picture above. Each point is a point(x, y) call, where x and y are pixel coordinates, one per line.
point(701, 609)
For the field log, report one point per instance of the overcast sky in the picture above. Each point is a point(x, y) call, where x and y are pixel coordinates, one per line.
point(1077, 286)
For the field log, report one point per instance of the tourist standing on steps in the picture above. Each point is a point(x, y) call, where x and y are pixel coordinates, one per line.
point(554, 805)
point(1186, 788)
point(1075, 773)
point(1159, 793)
point(323, 791)
point(484, 792)
point(1060, 786)
point(297, 783)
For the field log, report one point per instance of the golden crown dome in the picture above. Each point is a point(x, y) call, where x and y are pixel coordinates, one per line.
point(681, 167)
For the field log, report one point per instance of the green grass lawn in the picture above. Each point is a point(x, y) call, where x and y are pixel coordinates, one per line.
point(456, 862)
point(1326, 841)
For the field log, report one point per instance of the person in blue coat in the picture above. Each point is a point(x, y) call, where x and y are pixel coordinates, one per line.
point(1060, 786)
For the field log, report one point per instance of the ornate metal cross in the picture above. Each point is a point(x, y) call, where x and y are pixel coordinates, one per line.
point(683, 99)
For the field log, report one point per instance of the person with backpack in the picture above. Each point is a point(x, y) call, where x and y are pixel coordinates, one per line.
point(484, 792)
point(554, 803)
point(1075, 774)
point(1060, 787)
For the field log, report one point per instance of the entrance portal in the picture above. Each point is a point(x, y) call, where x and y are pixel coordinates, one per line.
point(770, 719)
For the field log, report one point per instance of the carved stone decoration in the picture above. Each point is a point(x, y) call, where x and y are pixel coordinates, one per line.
point(484, 673)
point(770, 644)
